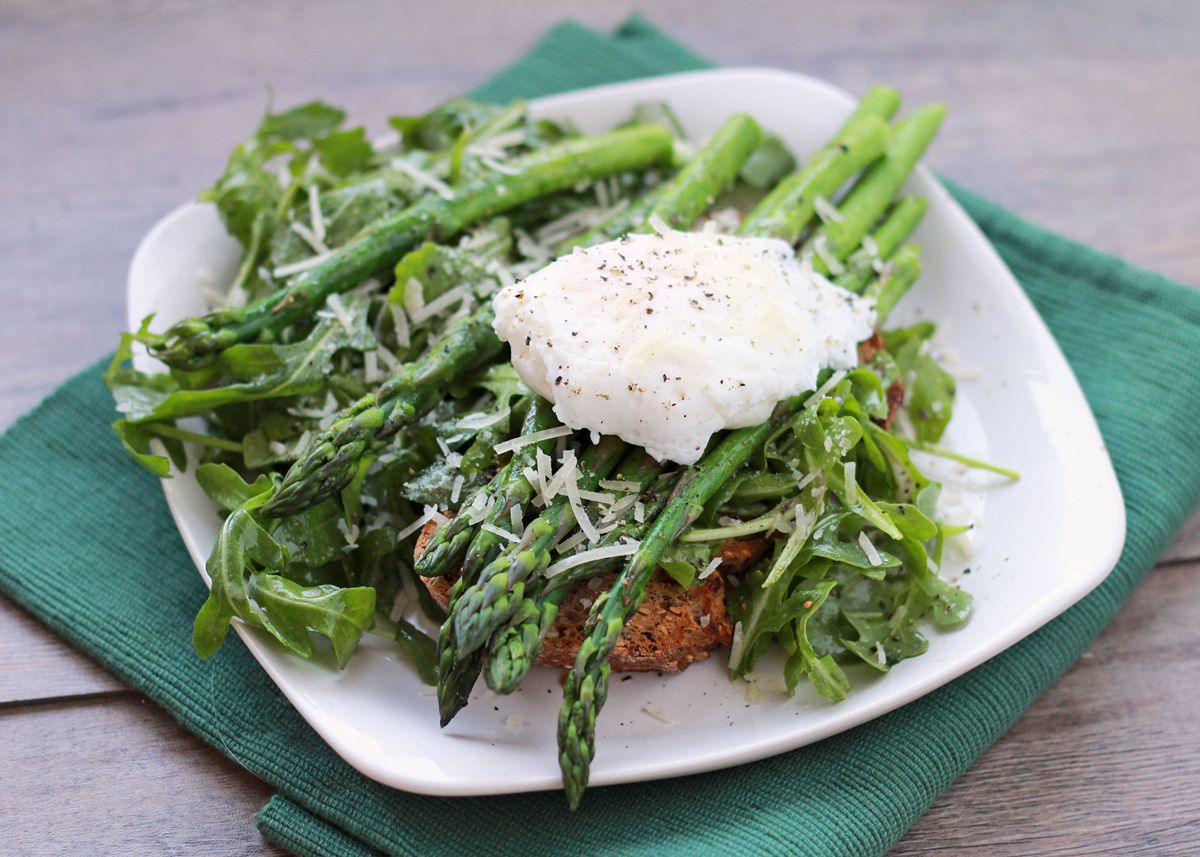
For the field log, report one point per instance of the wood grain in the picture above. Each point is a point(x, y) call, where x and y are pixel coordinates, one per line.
point(1071, 113)
point(36, 666)
point(119, 776)
point(1106, 761)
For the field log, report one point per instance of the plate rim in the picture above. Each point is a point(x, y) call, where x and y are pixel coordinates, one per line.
point(1050, 606)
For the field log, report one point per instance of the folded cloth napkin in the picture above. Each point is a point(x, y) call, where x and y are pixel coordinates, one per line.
point(87, 545)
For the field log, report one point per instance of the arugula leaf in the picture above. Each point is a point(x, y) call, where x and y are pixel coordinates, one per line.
point(345, 152)
point(930, 388)
point(243, 585)
point(441, 127)
point(906, 478)
point(438, 268)
point(136, 440)
point(420, 648)
point(289, 610)
point(258, 371)
point(247, 188)
point(684, 561)
point(759, 613)
point(225, 487)
point(308, 120)
point(350, 208)
point(313, 537)
point(822, 670)
point(241, 544)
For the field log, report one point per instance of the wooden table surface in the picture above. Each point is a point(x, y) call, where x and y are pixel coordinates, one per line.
point(1081, 116)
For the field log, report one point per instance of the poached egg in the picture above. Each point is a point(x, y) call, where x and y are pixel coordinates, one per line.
point(665, 339)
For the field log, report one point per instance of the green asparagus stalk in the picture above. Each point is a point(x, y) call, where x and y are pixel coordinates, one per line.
point(444, 552)
point(455, 675)
point(879, 100)
point(458, 669)
point(333, 456)
point(897, 278)
point(835, 240)
point(713, 168)
point(513, 649)
point(587, 684)
point(900, 222)
point(492, 599)
point(627, 219)
point(191, 343)
point(685, 197)
point(788, 209)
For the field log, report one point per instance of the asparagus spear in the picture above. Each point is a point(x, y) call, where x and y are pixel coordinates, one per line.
point(587, 683)
point(897, 278)
point(456, 678)
point(513, 649)
point(332, 458)
point(684, 198)
point(879, 100)
point(833, 241)
point(786, 211)
point(192, 342)
point(458, 668)
point(498, 592)
point(444, 552)
point(900, 222)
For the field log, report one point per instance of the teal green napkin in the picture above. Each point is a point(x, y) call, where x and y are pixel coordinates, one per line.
point(87, 545)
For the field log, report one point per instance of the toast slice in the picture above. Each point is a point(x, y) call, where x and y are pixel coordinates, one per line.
point(673, 628)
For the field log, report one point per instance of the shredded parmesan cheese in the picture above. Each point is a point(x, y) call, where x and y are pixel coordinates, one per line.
point(442, 302)
point(314, 212)
point(309, 237)
point(516, 443)
point(710, 568)
point(431, 513)
point(870, 550)
point(481, 420)
point(559, 566)
point(828, 212)
point(496, 531)
point(658, 714)
point(821, 248)
point(423, 178)
point(820, 392)
point(400, 325)
point(301, 266)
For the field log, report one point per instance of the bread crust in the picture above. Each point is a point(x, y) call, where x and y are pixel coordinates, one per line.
point(673, 628)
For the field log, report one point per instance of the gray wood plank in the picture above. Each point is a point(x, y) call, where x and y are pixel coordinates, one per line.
point(37, 665)
point(1107, 761)
point(119, 776)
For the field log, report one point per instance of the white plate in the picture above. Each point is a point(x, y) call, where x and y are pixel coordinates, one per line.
point(1042, 544)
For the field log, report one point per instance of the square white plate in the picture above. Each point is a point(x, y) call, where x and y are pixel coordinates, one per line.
point(1039, 546)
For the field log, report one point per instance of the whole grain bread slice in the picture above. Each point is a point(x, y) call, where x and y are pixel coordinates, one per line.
point(673, 628)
